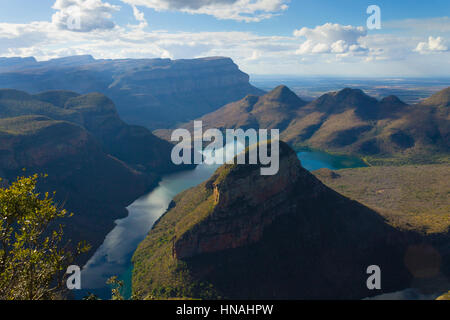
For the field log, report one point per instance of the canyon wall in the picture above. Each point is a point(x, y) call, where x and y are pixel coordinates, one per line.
point(156, 93)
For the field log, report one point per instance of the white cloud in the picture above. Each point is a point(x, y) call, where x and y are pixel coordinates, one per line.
point(330, 49)
point(83, 15)
point(434, 45)
point(435, 25)
point(331, 38)
point(240, 10)
point(140, 17)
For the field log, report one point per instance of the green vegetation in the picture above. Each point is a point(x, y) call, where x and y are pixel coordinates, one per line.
point(33, 259)
point(15, 103)
point(117, 286)
point(415, 159)
point(445, 296)
point(171, 276)
point(24, 114)
point(285, 237)
point(441, 99)
point(26, 125)
point(410, 197)
point(96, 162)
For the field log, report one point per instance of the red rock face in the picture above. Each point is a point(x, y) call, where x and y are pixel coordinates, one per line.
point(244, 207)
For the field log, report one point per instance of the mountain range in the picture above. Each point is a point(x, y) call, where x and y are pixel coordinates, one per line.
point(156, 93)
point(346, 121)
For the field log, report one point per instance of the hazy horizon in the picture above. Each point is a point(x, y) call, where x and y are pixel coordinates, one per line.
point(349, 38)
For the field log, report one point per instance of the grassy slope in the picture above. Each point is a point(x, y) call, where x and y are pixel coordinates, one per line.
point(171, 277)
point(25, 125)
point(410, 197)
point(15, 103)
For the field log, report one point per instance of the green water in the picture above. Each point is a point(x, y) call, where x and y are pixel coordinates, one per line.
point(314, 160)
point(114, 256)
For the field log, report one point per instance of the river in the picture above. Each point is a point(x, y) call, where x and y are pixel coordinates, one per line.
point(113, 257)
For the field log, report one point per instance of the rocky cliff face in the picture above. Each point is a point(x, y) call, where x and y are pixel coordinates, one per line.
point(244, 206)
point(181, 76)
point(241, 235)
point(150, 92)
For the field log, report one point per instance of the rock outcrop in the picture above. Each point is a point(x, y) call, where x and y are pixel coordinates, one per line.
point(245, 203)
point(241, 235)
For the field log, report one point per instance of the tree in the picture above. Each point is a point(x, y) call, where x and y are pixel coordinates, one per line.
point(116, 288)
point(445, 296)
point(33, 259)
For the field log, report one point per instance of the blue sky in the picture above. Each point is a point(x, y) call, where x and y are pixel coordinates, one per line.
point(299, 37)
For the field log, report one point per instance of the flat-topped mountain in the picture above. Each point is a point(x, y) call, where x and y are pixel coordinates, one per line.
point(97, 163)
point(242, 235)
point(346, 121)
point(150, 92)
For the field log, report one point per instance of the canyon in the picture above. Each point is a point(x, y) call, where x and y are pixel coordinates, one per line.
point(96, 163)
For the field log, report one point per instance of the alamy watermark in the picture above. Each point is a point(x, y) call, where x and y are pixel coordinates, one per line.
point(74, 280)
point(74, 19)
point(374, 21)
point(374, 281)
point(218, 151)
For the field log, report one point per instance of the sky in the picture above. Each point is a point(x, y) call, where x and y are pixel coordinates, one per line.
point(265, 37)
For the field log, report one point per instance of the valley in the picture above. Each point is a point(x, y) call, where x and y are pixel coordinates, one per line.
point(96, 163)
point(211, 158)
point(115, 254)
point(377, 188)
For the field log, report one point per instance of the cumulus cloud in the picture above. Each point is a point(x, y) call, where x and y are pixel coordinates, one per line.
point(240, 10)
point(331, 38)
point(434, 45)
point(83, 15)
point(330, 49)
point(44, 41)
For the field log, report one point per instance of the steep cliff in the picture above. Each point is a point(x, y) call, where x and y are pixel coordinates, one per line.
point(243, 235)
point(150, 92)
